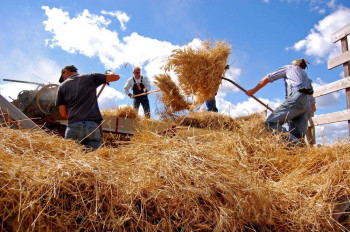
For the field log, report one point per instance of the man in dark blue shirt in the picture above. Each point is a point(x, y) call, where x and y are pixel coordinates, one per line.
point(77, 101)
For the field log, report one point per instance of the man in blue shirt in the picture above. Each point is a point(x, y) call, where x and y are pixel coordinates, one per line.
point(77, 101)
point(299, 104)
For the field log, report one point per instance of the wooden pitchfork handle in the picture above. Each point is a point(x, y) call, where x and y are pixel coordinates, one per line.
point(142, 94)
point(245, 91)
point(104, 85)
point(99, 93)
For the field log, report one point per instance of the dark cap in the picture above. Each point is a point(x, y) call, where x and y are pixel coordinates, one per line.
point(302, 63)
point(70, 68)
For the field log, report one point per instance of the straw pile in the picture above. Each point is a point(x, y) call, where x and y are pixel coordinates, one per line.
point(209, 120)
point(123, 112)
point(171, 97)
point(241, 181)
point(200, 69)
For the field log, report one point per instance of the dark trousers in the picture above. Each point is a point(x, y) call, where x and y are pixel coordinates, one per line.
point(211, 105)
point(145, 105)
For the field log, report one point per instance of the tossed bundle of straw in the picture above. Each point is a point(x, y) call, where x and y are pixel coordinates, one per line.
point(200, 69)
point(171, 97)
point(123, 112)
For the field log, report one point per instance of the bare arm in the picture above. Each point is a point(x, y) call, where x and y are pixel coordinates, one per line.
point(111, 76)
point(63, 111)
point(261, 84)
point(313, 106)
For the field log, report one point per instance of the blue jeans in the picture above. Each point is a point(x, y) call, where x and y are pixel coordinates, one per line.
point(79, 130)
point(145, 105)
point(296, 110)
point(211, 105)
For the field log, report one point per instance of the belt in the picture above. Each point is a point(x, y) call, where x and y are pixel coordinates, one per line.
point(306, 91)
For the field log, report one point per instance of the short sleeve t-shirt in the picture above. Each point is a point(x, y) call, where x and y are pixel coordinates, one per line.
point(78, 94)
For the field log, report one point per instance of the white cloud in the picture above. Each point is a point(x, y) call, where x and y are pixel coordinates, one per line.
point(85, 34)
point(11, 90)
point(109, 98)
point(319, 42)
point(29, 67)
point(244, 108)
point(88, 34)
point(140, 50)
point(121, 16)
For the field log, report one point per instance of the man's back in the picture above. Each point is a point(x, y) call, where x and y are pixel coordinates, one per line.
point(78, 93)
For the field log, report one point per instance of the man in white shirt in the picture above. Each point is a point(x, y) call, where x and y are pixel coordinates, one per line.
point(139, 85)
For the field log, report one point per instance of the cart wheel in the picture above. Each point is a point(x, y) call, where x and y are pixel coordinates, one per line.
point(45, 98)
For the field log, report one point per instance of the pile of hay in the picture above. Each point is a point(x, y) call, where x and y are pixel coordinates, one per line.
point(200, 69)
point(241, 181)
point(171, 97)
point(123, 112)
point(209, 120)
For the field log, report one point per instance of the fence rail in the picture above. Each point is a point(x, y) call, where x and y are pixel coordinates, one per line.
point(339, 116)
point(339, 60)
point(332, 87)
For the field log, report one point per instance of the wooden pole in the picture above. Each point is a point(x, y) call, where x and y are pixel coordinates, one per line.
point(142, 94)
point(99, 93)
point(346, 68)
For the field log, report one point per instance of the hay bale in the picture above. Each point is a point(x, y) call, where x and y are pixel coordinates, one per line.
point(171, 97)
point(200, 69)
point(123, 112)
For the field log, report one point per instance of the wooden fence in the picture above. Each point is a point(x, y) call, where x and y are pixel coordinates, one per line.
point(344, 83)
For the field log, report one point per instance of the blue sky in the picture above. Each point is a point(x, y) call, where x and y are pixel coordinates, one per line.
point(38, 38)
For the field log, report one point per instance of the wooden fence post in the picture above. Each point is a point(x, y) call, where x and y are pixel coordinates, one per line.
point(346, 68)
point(342, 59)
